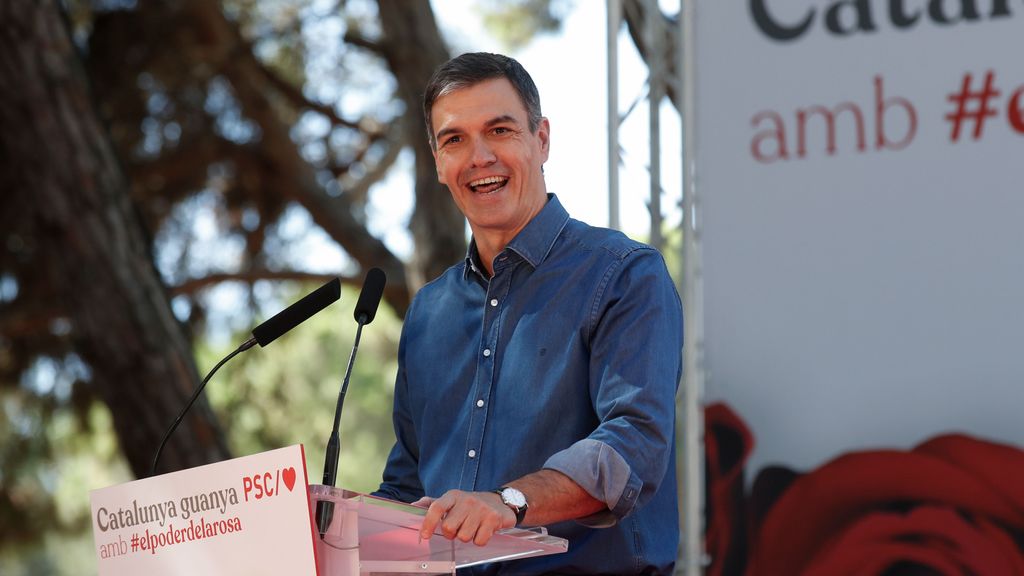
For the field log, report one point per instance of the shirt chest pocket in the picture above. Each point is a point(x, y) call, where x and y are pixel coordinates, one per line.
point(544, 361)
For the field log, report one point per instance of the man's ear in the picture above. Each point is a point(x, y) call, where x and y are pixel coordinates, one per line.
point(544, 134)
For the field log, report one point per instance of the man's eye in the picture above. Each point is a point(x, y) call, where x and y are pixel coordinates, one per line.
point(501, 130)
point(453, 140)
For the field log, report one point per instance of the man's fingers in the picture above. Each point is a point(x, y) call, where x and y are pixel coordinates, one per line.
point(435, 512)
point(473, 519)
point(464, 528)
point(486, 530)
point(463, 517)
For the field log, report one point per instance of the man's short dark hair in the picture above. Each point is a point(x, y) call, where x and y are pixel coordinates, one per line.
point(475, 67)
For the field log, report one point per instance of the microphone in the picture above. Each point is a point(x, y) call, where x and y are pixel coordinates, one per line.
point(264, 334)
point(366, 309)
point(369, 298)
point(297, 313)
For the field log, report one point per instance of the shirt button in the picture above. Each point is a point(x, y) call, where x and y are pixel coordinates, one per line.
point(479, 403)
point(494, 301)
point(487, 352)
point(472, 453)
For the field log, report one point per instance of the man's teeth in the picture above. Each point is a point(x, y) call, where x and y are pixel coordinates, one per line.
point(488, 185)
point(488, 180)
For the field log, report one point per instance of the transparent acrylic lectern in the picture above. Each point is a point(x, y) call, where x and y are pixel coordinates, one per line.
point(367, 535)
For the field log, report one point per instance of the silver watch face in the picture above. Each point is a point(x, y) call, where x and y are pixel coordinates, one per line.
point(513, 497)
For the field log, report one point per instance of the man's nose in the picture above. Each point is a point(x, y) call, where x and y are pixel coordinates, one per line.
point(483, 154)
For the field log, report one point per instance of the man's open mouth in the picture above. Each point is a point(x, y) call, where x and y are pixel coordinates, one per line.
point(488, 185)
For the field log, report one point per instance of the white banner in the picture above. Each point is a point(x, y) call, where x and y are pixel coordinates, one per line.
point(245, 516)
point(859, 168)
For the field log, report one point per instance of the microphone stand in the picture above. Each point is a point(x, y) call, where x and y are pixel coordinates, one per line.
point(333, 444)
point(325, 510)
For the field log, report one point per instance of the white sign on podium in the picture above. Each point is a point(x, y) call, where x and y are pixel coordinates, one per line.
point(255, 515)
point(246, 516)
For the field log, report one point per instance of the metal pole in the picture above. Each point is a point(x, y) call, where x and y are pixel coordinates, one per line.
point(614, 23)
point(692, 520)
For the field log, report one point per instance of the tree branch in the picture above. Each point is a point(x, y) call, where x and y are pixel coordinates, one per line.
point(295, 95)
point(365, 43)
point(291, 175)
point(361, 188)
point(250, 276)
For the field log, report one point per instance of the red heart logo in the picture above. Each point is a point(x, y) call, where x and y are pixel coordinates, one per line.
point(289, 478)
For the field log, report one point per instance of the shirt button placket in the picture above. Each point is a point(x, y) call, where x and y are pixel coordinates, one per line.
point(490, 339)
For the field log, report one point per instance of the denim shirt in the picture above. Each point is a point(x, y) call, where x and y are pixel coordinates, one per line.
point(568, 358)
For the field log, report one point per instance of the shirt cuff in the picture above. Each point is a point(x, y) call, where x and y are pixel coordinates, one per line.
point(604, 474)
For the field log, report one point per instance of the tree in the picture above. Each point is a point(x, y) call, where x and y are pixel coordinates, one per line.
point(190, 108)
point(101, 152)
point(413, 48)
point(194, 73)
point(76, 252)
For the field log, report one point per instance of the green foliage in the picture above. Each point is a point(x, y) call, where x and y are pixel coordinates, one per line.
point(673, 252)
point(286, 393)
point(51, 455)
point(516, 22)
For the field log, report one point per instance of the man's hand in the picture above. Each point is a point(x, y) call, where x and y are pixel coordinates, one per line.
point(468, 516)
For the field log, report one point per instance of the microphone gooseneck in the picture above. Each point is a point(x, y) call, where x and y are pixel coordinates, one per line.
point(199, 389)
point(263, 334)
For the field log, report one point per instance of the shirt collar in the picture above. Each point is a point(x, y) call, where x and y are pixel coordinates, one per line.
point(534, 242)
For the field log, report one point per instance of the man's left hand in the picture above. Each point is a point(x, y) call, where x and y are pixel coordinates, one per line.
point(468, 516)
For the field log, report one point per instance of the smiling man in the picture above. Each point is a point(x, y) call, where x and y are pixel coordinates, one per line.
point(537, 379)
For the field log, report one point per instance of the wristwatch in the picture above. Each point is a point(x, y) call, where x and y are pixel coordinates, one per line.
point(515, 500)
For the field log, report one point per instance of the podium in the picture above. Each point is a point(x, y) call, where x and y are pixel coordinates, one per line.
point(374, 536)
point(257, 515)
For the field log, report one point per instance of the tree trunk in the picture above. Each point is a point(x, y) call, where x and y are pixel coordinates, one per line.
point(65, 204)
point(413, 47)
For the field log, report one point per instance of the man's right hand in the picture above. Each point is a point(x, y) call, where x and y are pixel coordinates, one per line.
point(468, 516)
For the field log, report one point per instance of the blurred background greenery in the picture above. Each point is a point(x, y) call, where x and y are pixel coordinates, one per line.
point(265, 399)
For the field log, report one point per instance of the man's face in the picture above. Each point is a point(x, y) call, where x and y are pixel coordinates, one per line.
point(488, 158)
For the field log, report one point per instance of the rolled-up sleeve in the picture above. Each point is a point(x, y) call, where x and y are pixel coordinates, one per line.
point(636, 337)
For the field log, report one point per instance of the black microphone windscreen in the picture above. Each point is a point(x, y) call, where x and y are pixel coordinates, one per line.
point(369, 298)
point(297, 313)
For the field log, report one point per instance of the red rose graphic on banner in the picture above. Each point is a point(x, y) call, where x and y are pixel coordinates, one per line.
point(953, 505)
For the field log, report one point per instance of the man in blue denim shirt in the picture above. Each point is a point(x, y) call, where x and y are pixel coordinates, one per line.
point(536, 382)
